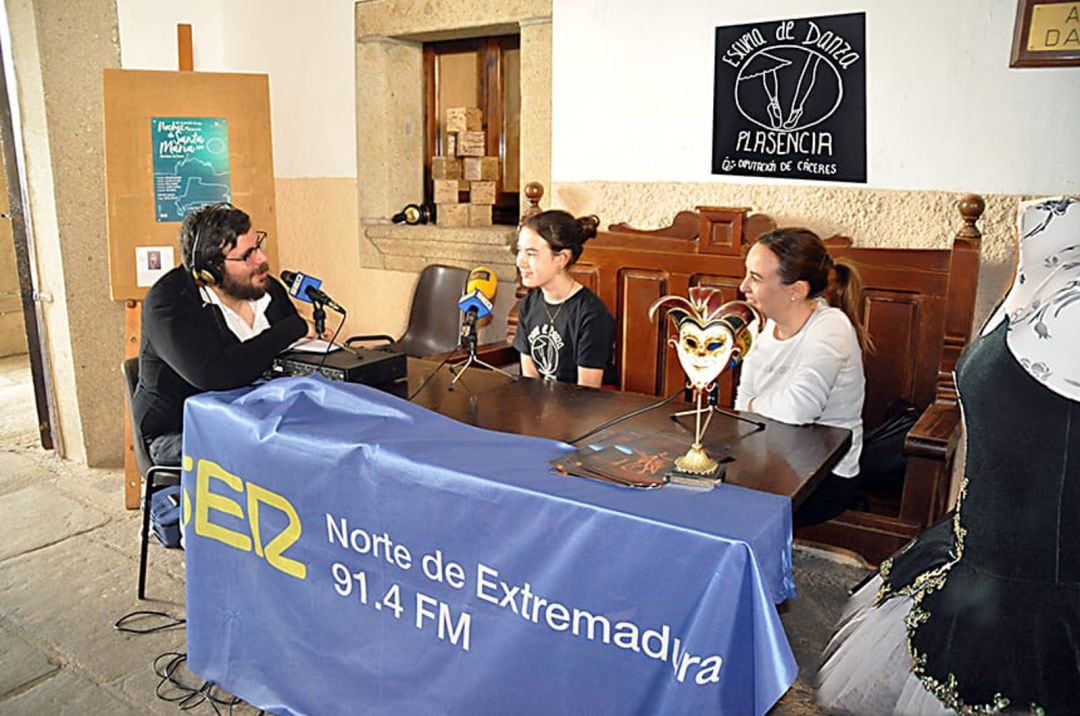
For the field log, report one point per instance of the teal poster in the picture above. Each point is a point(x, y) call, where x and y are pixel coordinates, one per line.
point(191, 164)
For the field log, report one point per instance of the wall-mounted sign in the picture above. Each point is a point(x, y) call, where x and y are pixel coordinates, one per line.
point(191, 164)
point(1047, 34)
point(789, 99)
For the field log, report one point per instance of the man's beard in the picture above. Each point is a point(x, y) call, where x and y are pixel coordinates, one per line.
point(245, 290)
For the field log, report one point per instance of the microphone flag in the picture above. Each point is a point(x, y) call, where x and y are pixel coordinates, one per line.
point(306, 288)
point(479, 292)
point(298, 284)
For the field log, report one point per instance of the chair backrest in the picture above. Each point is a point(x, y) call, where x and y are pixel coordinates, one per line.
point(434, 323)
point(130, 369)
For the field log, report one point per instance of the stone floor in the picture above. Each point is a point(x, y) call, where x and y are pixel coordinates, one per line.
point(68, 564)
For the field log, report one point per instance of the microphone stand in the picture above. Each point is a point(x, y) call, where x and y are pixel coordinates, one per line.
point(318, 313)
point(711, 409)
point(468, 342)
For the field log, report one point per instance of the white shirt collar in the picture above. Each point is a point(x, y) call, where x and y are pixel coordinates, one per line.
point(236, 324)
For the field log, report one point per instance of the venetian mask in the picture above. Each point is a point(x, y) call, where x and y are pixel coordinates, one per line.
point(713, 335)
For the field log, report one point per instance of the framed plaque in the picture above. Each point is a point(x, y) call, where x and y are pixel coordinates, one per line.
point(1047, 34)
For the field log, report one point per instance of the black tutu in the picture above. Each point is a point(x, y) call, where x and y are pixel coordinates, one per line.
point(981, 613)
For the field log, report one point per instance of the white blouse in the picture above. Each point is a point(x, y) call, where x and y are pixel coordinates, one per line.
point(815, 376)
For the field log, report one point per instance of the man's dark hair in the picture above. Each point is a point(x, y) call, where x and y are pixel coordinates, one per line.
point(212, 232)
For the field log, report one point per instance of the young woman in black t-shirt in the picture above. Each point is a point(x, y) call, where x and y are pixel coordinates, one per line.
point(565, 331)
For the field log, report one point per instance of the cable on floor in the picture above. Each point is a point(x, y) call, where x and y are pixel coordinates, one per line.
point(124, 623)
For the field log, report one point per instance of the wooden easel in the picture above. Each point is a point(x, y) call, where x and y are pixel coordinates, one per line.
point(132, 99)
point(133, 314)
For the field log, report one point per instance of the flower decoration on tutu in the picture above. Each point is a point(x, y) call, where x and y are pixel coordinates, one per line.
point(713, 335)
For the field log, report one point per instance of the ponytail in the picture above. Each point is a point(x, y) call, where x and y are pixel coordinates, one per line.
point(845, 292)
point(803, 256)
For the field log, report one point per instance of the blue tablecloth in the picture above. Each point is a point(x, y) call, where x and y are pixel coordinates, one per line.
point(349, 552)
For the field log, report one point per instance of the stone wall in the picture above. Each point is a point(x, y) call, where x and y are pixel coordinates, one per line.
point(871, 217)
point(60, 48)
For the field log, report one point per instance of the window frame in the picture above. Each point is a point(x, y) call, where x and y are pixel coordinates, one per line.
point(491, 92)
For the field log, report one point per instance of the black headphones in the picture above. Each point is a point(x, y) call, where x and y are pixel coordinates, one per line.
point(414, 214)
point(203, 269)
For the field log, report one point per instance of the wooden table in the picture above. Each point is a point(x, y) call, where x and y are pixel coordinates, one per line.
point(781, 459)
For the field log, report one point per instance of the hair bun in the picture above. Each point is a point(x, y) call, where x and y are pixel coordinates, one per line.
point(588, 225)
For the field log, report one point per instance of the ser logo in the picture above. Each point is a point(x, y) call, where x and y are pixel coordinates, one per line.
point(257, 501)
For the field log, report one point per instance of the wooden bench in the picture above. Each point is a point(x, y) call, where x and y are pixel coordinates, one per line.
point(918, 306)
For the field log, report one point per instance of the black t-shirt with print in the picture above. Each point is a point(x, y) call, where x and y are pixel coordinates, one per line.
point(581, 334)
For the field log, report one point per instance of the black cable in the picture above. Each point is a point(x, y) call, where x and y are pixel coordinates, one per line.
point(187, 696)
point(632, 414)
point(330, 345)
point(171, 622)
point(171, 687)
point(431, 375)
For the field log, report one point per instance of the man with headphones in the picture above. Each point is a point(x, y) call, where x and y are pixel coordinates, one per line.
point(214, 323)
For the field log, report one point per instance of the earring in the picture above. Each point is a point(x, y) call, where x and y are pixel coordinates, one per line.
point(791, 298)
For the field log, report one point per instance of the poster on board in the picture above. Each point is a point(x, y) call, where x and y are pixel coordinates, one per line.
point(789, 99)
point(151, 263)
point(191, 164)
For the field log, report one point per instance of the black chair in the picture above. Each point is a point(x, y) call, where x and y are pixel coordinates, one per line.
point(434, 321)
point(154, 476)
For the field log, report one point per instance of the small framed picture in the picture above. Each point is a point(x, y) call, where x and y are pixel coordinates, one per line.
point(1047, 34)
point(151, 263)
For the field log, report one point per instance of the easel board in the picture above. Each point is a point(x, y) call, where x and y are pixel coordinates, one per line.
point(133, 98)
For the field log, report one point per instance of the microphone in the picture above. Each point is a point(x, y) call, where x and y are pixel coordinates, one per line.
point(479, 293)
point(306, 288)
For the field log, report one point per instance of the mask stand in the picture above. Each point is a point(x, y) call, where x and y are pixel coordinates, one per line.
point(713, 408)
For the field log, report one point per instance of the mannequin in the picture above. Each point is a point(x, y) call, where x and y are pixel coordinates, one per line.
point(981, 613)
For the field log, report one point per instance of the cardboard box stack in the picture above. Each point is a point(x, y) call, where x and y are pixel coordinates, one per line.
point(464, 168)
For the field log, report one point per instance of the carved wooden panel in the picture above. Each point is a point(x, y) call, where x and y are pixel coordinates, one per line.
point(642, 359)
point(721, 230)
point(892, 320)
point(904, 302)
point(587, 275)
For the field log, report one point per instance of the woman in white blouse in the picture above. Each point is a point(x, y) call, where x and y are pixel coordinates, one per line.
point(806, 367)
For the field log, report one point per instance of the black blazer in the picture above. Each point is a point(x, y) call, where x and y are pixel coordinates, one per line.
point(187, 348)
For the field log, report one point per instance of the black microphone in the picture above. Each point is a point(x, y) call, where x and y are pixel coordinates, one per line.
point(306, 288)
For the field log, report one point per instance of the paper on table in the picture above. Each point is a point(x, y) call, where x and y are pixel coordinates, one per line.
point(313, 345)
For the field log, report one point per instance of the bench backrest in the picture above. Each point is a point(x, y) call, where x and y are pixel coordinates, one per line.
point(918, 303)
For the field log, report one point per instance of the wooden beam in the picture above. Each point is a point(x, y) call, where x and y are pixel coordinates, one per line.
point(183, 48)
point(132, 478)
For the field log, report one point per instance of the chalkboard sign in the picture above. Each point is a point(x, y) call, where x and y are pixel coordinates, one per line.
point(789, 99)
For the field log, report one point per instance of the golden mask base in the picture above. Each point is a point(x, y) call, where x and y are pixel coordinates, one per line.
point(696, 462)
